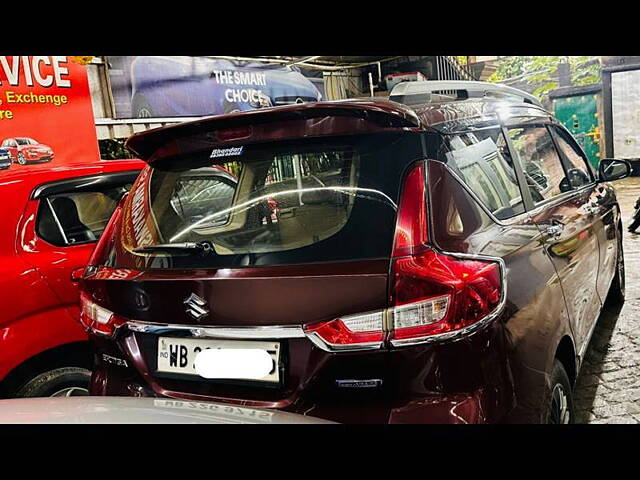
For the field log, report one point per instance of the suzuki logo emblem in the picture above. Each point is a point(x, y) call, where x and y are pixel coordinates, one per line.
point(196, 307)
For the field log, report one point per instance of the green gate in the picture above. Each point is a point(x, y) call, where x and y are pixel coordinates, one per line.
point(579, 113)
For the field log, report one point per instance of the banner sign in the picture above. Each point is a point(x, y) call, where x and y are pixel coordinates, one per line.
point(45, 112)
point(195, 86)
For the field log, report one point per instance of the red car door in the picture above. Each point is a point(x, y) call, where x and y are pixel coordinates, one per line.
point(62, 224)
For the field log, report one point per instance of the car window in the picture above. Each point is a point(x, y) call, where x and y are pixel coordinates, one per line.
point(540, 161)
point(194, 196)
point(304, 200)
point(482, 160)
point(578, 170)
point(277, 202)
point(77, 217)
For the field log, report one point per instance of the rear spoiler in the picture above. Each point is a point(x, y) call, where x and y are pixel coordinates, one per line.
point(353, 116)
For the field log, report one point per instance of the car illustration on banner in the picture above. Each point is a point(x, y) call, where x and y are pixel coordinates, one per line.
point(26, 150)
point(193, 86)
point(5, 159)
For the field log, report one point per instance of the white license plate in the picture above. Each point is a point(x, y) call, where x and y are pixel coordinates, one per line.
point(178, 355)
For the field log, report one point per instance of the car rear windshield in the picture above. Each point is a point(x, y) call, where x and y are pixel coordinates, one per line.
point(292, 202)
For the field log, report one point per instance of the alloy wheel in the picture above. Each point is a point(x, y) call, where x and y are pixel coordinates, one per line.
point(71, 392)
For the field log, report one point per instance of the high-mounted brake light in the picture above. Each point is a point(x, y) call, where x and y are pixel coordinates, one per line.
point(237, 133)
point(433, 295)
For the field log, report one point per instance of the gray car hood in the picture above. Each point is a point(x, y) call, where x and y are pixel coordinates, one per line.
point(83, 410)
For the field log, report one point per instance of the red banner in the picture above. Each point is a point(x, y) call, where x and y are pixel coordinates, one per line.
point(46, 116)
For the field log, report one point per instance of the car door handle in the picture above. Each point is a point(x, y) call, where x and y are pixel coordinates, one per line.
point(554, 230)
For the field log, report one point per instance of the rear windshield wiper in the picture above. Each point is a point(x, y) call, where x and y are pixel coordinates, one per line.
point(184, 247)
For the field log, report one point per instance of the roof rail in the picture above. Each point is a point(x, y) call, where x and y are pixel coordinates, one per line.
point(412, 93)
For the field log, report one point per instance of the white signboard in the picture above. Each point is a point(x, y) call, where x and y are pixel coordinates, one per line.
point(625, 103)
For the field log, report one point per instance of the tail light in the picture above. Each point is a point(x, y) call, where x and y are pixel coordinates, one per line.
point(437, 295)
point(433, 295)
point(93, 317)
point(353, 332)
point(97, 319)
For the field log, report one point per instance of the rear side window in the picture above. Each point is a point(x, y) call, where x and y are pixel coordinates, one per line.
point(308, 200)
point(77, 217)
point(578, 171)
point(541, 164)
point(481, 159)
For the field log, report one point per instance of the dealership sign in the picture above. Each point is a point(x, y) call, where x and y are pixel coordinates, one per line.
point(158, 86)
point(45, 111)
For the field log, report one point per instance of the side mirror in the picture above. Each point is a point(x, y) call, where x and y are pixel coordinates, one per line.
point(611, 169)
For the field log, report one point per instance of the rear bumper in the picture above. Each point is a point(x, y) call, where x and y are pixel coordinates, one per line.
point(468, 408)
point(467, 381)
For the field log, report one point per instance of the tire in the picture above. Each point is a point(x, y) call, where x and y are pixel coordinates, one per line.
point(559, 403)
point(21, 159)
point(617, 291)
point(141, 108)
point(60, 382)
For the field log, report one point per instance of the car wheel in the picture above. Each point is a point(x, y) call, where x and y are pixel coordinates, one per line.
point(560, 408)
point(21, 159)
point(618, 289)
point(141, 108)
point(60, 382)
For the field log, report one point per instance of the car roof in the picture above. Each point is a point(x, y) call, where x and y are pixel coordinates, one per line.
point(34, 175)
point(443, 116)
point(451, 116)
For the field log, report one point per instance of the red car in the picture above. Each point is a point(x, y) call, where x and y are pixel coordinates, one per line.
point(50, 223)
point(27, 150)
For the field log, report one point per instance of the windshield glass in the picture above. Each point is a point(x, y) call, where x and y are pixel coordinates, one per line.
point(301, 201)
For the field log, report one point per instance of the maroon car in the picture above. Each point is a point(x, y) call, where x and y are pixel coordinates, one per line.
point(444, 263)
point(26, 150)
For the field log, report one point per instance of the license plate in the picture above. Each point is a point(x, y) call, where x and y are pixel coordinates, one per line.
point(178, 355)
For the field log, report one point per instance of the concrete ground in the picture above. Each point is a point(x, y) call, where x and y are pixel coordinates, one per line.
point(608, 387)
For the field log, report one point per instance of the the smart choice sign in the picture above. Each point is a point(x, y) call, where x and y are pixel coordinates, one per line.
point(45, 111)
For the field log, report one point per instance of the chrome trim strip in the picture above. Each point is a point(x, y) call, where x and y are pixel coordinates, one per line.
point(268, 332)
point(248, 333)
point(456, 334)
